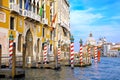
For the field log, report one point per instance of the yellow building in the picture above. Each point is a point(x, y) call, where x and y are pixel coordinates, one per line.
point(31, 28)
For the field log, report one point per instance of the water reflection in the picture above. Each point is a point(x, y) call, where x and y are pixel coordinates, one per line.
point(107, 69)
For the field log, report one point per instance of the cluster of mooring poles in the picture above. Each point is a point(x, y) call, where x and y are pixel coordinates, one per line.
point(84, 57)
point(82, 61)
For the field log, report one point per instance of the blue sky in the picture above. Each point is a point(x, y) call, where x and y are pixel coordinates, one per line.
point(101, 17)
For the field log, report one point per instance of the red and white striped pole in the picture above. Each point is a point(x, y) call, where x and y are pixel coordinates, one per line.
point(89, 55)
point(45, 53)
point(81, 55)
point(59, 53)
point(81, 52)
point(95, 55)
point(10, 50)
point(72, 52)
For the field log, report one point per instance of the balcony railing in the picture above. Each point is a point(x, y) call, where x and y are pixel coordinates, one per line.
point(21, 12)
point(37, 17)
point(32, 15)
point(45, 21)
point(14, 7)
point(25, 13)
point(64, 25)
point(29, 14)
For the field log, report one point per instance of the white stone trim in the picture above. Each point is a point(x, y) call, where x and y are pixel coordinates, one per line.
point(2, 17)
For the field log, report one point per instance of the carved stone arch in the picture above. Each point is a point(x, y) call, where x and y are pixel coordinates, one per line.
point(29, 45)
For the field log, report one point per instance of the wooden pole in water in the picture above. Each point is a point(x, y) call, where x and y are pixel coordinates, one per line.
point(99, 55)
point(45, 53)
point(24, 52)
point(95, 54)
point(0, 54)
point(89, 55)
point(13, 60)
point(72, 52)
point(81, 52)
point(10, 50)
point(59, 52)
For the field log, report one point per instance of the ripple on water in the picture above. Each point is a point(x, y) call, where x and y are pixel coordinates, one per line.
point(107, 69)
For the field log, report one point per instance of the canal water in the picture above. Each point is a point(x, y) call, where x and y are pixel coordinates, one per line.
point(107, 69)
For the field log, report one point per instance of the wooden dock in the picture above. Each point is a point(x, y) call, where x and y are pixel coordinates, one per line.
point(7, 73)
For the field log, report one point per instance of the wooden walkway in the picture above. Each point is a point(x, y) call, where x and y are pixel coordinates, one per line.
point(7, 73)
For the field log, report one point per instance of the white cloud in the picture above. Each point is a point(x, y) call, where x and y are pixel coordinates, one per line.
point(101, 21)
point(84, 17)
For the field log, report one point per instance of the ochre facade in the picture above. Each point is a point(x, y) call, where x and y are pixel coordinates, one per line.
point(23, 20)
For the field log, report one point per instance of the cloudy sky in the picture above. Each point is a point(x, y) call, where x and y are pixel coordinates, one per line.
point(101, 17)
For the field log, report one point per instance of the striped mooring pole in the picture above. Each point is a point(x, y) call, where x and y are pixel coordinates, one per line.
point(59, 53)
point(10, 50)
point(95, 54)
point(45, 53)
point(89, 55)
point(72, 52)
point(81, 53)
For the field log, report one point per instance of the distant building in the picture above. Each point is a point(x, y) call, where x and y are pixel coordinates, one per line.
point(106, 48)
point(91, 41)
point(114, 52)
point(111, 50)
point(102, 41)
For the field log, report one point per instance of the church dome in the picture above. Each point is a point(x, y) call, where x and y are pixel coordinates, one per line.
point(91, 40)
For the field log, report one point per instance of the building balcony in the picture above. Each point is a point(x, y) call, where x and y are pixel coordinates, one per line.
point(37, 17)
point(64, 25)
point(21, 12)
point(14, 7)
point(45, 21)
point(31, 16)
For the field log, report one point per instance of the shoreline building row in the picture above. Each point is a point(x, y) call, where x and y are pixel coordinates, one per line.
point(32, 23)
point(107, 49)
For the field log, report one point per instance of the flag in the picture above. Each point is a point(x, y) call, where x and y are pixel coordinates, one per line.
point(41, 10)
point(53, 21)
point(27, 5)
